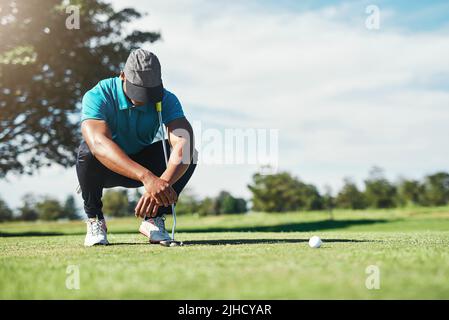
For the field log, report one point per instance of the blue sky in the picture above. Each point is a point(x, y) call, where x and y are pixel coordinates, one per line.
point(410, 15)
point(344, 98)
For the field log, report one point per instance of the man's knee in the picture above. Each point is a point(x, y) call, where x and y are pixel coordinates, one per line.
point(89, 170)
point(84, 155)
point(84, 151)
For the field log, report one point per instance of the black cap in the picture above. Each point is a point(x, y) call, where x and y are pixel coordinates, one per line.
point(143, 77)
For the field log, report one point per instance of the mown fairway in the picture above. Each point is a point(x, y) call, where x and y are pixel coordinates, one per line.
point(255, 256)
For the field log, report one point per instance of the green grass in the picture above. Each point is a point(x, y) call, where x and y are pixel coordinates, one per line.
point(256, 256)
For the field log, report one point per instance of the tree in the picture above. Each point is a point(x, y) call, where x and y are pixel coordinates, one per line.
point(27, 211)
point(410, 192)
point(379, 192)
point(350, 197)
point(329, 201)
point(207, 207)
point(5, 211)
point(240, 205)
point(309, 197)
point(436, 189)
point(282, 192)
point(49, 209)
point(228, 204)
point(45, 68)
point(115, 203)
point(274, 193)
point(187, 203)
point(133, 200)
point(70, 210)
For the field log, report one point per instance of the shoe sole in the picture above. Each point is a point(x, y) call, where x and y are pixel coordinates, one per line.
point(97, 244)
point(147, 236)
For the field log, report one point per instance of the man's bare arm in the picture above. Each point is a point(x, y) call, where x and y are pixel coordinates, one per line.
point(181, 138)
point(98, 137)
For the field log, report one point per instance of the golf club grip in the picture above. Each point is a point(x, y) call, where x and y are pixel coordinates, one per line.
point(161, 127)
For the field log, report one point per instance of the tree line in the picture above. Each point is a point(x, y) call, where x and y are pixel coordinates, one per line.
point(283, 192)
point(116, 203)
point(279, 192)
point(40, 208)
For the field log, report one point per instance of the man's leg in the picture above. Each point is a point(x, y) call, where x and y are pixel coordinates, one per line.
point(93, 176)
point(90, 174)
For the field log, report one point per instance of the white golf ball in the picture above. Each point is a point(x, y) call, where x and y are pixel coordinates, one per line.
point(315, 242)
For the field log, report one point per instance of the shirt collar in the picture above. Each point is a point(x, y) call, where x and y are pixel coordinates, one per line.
point(124, 103)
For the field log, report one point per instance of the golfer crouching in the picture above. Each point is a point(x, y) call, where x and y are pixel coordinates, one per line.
point(119, 123)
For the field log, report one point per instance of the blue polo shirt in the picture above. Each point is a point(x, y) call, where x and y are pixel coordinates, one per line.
point(132, 128)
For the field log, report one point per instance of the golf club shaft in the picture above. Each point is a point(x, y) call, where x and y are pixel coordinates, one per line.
point(161, 125)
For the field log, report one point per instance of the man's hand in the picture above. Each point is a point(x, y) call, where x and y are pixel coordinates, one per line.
point(158, 193)
point(160, 190)
point(147, 206)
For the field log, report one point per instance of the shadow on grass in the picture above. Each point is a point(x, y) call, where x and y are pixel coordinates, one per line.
point(221, 242)
point(287, 227)
point(292, 227)
point(128, 244)
point(32, 234)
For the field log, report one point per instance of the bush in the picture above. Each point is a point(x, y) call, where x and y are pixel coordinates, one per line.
point(226, 204)
point(27, 211)
point(410, 192)
point(5, 211)
point(133, 200)
point(379, 192)
point(207, 207)
point(350, 197)
point(49, 209)
point(436, 189)
point(70, 211)
point(187, 203)
point(282, 192)
point(115, 203)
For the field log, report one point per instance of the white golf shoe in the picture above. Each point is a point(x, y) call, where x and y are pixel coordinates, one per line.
point(96, 233)
point(154, 229)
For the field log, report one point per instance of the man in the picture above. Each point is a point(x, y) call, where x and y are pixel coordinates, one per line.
point(119, 123)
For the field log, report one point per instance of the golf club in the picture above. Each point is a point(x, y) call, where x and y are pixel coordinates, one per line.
point(172, 242)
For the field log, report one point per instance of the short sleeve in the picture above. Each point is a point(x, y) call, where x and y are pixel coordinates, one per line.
point(171, 108)
point(93, 105)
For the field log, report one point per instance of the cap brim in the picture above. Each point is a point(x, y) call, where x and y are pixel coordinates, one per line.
point(142, 94)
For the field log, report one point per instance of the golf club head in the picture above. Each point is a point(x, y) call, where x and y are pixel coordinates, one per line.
point(171, 243)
